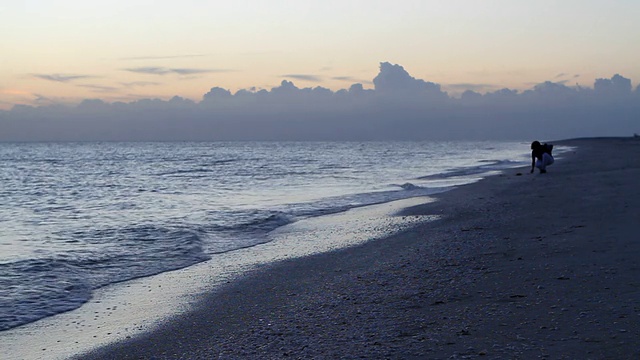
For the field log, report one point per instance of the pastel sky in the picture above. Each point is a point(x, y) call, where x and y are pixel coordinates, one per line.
point(68, 50)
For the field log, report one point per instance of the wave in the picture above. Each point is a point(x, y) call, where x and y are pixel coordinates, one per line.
point(410, 186)
point(36, 288)
point(187, 172)
point(487, 166)
point(332, 205)
point(251, 221)
point(203, 168)
point(241, 229)
point(241, 192)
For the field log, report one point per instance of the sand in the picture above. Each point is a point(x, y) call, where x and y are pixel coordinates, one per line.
point(519, 266)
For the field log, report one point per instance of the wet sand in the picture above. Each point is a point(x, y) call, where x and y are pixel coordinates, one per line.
point(520, 266)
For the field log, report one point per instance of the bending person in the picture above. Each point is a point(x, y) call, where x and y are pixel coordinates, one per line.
point(541, 156)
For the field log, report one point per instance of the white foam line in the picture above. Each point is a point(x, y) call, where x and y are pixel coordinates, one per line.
point(127, 309)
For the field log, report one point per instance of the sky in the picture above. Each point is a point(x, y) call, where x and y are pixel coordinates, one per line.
point(61, 52)
point(142, 70)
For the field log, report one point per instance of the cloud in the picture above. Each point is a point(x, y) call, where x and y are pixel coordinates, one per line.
point(64, 78)
point(48, 101)
point(344, 78)
point(564, 78)
point(399, 107)
point(100, 88)
point(140, 83)
point(303, 77)
point(395, 80)
point(215, 94)
point(351, 79)
point(10, 97)
point(166, 57)
point(155, 70)
point(190, 71)
point(472, 87)
point(616, 86)
point(41, 98)
point(152, 70)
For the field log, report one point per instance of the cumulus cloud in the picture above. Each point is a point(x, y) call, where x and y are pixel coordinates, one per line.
point(472, 87)
point(64, 78)
point(395, 80)
point(215, 94)
point(616, 86)
point(399, 107)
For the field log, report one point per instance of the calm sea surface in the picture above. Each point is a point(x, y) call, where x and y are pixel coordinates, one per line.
point(78, 216)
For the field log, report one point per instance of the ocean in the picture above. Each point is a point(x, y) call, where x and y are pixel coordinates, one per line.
point(76, 217)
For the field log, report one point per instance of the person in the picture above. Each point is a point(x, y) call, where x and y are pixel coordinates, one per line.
point(541, 156)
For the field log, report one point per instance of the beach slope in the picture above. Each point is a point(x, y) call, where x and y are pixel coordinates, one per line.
point(519, 266)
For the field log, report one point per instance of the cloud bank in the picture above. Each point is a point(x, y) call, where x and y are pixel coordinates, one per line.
point(399, 107)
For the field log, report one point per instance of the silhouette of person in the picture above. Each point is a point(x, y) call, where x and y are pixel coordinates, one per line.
point(541, 156)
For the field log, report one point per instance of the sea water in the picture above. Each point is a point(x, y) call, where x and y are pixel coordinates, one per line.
point(75, 217)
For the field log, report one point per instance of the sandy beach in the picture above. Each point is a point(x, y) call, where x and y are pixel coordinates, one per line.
point(520, 266)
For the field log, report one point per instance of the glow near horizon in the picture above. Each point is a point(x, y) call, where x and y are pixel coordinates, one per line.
point(242, 44)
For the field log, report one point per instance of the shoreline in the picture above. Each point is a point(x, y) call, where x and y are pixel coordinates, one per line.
point(518, 266)
point(395, 297)
point(188, 231)
point(128, 309)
